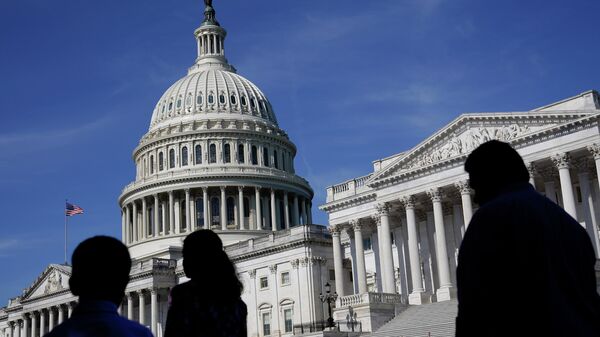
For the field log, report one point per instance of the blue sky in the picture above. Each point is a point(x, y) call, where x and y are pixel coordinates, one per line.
point(350, 81)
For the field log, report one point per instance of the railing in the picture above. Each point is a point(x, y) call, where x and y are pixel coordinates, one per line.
point(153, 263)
point(367, 298)
point(348, 188)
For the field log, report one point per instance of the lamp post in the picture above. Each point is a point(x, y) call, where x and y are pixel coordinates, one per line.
point(328, 297)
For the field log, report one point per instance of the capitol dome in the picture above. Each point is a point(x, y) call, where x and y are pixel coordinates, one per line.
point(214, 157)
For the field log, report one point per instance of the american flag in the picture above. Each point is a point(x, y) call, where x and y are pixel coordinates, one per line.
point(72, 209)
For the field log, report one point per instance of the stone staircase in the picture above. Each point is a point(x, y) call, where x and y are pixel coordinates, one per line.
point(427, 320)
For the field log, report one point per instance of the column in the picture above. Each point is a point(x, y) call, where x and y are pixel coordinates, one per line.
point(241, 206)
point(549, 189)
point(205, 206)
point(50, 319)
point(156, 216)
point(11, 328)
point(188, 207)
point(444, 293)
point(193, 214)
point(223, 209)
point(338, 265)
point(417, 296)
point(163, 219)
point(144, 233)
point(134, 225)
point(258, 209)
point(303, 211)
point(171, 213)
point(465, 197)
point(69, 309)
point(154, 310)
point(177, 215)
point(61, 314)
point(295, 212)
point(561, 160)
point(34, 325)
point(26, 325)
point(286, 209)
point(127, 227)
point(309, 211)
point(18, 326)
point(385, 240)
point(129, 306)
point(588, 207)
point(123, 226)
point(273, 212)
point(42, 322)
point(142, 307)
point(360, 256)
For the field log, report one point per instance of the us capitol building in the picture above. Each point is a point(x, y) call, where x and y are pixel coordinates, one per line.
point(215, 157)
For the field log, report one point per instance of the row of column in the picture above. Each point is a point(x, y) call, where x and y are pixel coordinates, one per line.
point(33, 323)
point(561, 161)
point(296, 211)
point(141, 298)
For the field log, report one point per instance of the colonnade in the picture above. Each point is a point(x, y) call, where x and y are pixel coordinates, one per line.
point(215, 207)
point(140, 296)
point(559, 165)
point(37, 323)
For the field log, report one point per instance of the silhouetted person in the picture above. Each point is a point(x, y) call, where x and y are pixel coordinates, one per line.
point(525, 266)
point(209, 305)
point(99, 275)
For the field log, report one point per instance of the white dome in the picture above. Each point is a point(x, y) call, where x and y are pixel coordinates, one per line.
point(212, 93)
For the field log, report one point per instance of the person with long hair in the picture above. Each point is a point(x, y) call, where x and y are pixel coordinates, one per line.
point(210, 303)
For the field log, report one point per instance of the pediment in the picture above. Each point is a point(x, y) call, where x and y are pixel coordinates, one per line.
point(468, 131)
point(53, 280)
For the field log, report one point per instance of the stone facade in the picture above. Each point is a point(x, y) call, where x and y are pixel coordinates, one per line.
point(400, 227)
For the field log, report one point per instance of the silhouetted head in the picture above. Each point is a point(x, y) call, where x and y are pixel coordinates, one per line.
point(493, 167)
point(101, 266)
point(205, 262)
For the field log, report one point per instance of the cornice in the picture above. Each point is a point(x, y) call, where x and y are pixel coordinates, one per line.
point(321, 241)
point(350, 201)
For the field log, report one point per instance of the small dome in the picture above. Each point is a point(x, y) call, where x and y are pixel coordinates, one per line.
point(212, 93)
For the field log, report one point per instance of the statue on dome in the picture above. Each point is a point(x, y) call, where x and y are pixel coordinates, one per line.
point(208, 3)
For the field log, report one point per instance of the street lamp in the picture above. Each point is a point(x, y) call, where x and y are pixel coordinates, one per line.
point(328, 297)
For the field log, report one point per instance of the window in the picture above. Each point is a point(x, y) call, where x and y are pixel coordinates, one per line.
point(233, 100)
point(211, 99)
point(265, 157)
point(287, 317)
point(266, 318)
point(264, 282)
point(285, 278)
point(367, 244)
point(222, 99)
point(275, 159)
point(230, 210)
point(198, 154)
point(188, 101)
point(241, 158)
point(243, 99)
point(171, 158)
point(254, 155)
point(350, 276)
point(227, 153)
point(253, 103)
point(160, 161)
point(246, 207)
point(214, 211)
point(332, 274)
point(151, 164)
point(283, 161)
point(145, 168)
point(184, 156)
point(212, 154)
point(199, 99)
point(182, 214)
point(170, 106)
point(200, 212)
point(179, 103)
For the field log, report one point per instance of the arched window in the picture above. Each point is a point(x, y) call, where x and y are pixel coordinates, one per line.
point(241, 158)
point(182, 214)
point(265, 156)
point(184, 156)
point(222, 99)
point(199, 99)
point(233, 100)
point(171, 158)
point(243, 99)
point(151, 164)
point(179, 103)
point(283, 161)
point(211, 99)
point(227, 153)
point(170, 106)
point(144, 169)
point(212, 154)
point(254, 155)
point(161, 161)
point(275, 162)
point(150, 217)
point(214, 211)
point(253, 103)
point(281, 214)
point(230, 210)
point(198, 154)
point(200, 212)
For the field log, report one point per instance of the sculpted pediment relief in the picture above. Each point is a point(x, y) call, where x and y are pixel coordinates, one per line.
point(466, 133)
point(54, 279)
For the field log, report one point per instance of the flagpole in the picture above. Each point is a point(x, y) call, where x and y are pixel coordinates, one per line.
point(66, 231)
